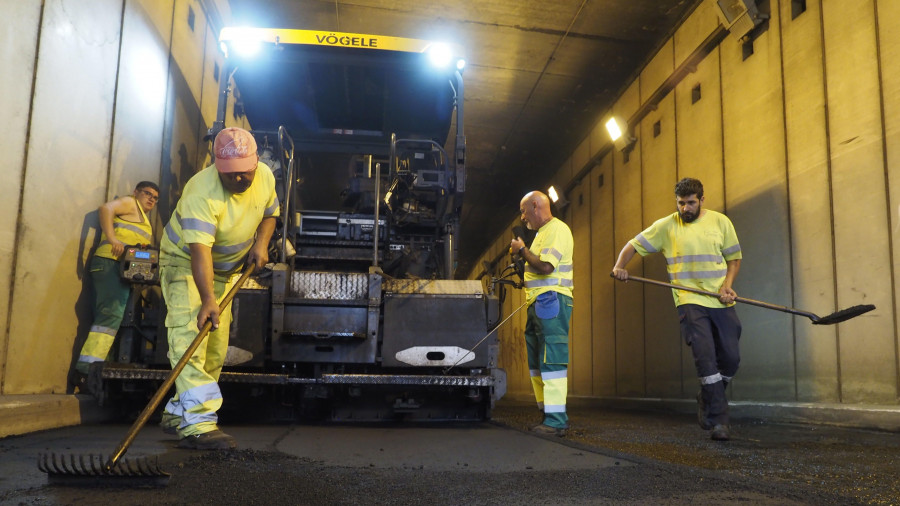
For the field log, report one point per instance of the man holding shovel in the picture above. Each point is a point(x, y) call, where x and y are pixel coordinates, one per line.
point(702, 251)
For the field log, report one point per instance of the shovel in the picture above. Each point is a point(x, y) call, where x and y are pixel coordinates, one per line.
point(836, 317)
point(90, 469)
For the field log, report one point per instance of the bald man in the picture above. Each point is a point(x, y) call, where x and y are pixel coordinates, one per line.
point(548, 293)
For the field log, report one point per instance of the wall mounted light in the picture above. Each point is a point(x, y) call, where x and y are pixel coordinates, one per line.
point(551, 192)
point(619, 135)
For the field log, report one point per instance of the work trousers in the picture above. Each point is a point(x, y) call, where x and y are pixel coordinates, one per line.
point(110, 298)
point(713, 335)
point(547, 344)
point(197, 399)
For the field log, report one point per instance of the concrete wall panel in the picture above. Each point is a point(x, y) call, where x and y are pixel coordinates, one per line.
point(694, 30)
point(141, 99)
point(810, 202)
point(17, 50)
point(699, 152)
point(888, 14)
point(628, 222)
point(661, 332)
point(857, 166)
point(209, 101)
point(756, 202)
point(603, 256)
point(657, 70)
point(69, 144)
point(180, 159)
point(580, 343)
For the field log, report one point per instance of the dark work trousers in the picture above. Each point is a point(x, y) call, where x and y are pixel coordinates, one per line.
point(713, 335)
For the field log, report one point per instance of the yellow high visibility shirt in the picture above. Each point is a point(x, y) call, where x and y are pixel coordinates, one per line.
point(553, 244)
point(208, 214)
point(128, 232)
point(696, 253)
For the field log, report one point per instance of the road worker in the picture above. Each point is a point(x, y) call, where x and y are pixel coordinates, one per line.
point(702, 251)
point(548, 293)
point(123, 221)
point(224, 219)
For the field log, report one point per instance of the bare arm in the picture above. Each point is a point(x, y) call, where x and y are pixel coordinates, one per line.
point(625, 256)
point(727, 292)
point(259, 252)
point(542, 267)
point(123, 206)
point(202, 269)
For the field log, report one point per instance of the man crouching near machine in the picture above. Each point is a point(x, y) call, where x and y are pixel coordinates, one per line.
point(203, 251)
point(702, 251)
point(548, 292)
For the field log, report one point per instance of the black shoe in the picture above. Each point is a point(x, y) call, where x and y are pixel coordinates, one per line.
point(548, 430)
point(213, 440)
point(79, 382)
point(701, 413)
point(719, 433)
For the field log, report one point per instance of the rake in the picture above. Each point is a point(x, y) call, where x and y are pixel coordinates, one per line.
point(90, 470)
point(831, 319)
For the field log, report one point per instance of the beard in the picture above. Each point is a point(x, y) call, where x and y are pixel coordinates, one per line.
point(688, 216)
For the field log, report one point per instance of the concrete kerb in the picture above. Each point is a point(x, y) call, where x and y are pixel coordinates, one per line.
point(23, 414)
point(860, 416)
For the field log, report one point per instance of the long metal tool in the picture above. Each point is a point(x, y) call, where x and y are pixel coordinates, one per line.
point(90, 469)
point(447, 369)
point(836, 317)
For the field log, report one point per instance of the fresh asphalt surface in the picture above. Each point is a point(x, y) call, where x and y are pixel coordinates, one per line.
point(608, 457)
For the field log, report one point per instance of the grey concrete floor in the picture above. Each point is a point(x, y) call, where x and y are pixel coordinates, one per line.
point(609, 457)
point(851, 465)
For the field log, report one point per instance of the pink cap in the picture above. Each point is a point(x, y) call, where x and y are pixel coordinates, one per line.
point(235, 150)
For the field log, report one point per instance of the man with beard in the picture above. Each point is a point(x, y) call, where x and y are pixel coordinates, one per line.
point(226, 216)
point(702, 251)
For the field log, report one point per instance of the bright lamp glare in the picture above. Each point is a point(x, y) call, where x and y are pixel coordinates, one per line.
point(551, 192)
point(246, 47)
point(460, 64)
point(613, 128)
point(439, 55)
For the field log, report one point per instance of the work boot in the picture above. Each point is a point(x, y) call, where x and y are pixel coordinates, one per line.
point(701, 413)
point(79, 383)
point(547, 430)
point(719, 433)
point(212, 440)
point(169, 423)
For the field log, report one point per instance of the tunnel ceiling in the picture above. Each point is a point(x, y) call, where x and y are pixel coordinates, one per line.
point(538, 77)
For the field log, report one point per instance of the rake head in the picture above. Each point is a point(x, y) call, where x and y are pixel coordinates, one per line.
point(94, 470)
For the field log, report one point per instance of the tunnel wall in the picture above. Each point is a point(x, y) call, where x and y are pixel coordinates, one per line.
point(99, 96)
point(795, 137)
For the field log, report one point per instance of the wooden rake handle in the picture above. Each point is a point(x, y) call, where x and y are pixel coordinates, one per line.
point(170, 379)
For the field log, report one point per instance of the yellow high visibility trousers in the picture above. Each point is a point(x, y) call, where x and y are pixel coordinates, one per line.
point(193, 408)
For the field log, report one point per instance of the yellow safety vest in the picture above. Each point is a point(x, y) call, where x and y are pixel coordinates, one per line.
point(128, 232)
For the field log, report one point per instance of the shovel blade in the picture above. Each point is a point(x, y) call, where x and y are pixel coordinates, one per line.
point(844, 314)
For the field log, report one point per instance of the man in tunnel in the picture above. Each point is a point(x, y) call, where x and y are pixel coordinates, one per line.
point(123, 221)
point(702, 251)
point(548, 293)
point(224, 218)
